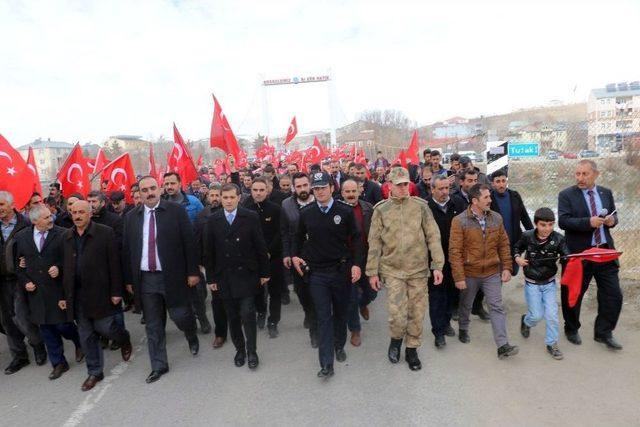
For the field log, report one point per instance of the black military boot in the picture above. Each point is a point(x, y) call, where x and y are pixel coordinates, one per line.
point(411, 356)
point(394, 350)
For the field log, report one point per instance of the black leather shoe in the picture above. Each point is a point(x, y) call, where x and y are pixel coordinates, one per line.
point(40, 354)
point(326, 372)
point(273, 330)
point(253, 360)
point(411, 356)
point(482, 314)
point(155, 375)
point(240, 358)
point(194, 345)
point(394, 350)
point(507, 350)
point(440, 342)
point(16, 365)
point(341, 356)
point(610, 342)
point(314, 340)
point(463, 336)
point(525, 330)
point(574, 337)
point(261, 320)
point(449, 331)
point(58, 371)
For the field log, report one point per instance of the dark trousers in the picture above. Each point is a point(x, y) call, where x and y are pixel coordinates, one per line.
point(198, 297)
point(52, 336)
point(442, 300)
point(219, 315)
point(154, 308)
point(241, 313)
point(15, 320)
point(331, 293)
point(272, 291)
point(361, 296)
point(90, 331)
point(609, 299)
point(301, 288)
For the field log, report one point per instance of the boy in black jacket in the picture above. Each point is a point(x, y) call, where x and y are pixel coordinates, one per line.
point(543, 247)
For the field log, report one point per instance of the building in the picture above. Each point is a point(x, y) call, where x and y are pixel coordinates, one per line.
point(49, 156)
point(455, 127)
point(550, 136)
point(127, 143)
point(613, 114)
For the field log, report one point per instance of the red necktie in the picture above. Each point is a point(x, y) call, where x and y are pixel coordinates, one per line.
point(152, 241)
point(594, 212)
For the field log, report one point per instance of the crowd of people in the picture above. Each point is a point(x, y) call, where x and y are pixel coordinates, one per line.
point(436, 238)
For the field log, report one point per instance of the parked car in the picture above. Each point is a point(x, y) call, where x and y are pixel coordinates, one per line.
point(588, 153)
point(552, 155)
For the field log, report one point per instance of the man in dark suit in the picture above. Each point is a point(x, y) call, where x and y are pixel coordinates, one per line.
point(161, 265)
point(217, 307)
point(237, 265)
point(371, 190)
point(92, 278)
point(510, 206)
point(13, 309)
point(40, 246)
point(586, 213)
point(361, 293)
point(269, 214)
point(443, 298)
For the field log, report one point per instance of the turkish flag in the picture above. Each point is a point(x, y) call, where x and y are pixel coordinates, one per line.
point(120, 176)
point(180, 160)
point(153, 171)
point(266, 151)
point(15, 175)
point(292, 131)
point(31, 164)
point(316, 153)
point(73, 176)
point(100, 162)
point(412, 151)
point(573, 273)
point(402, 159)
point(222, 136)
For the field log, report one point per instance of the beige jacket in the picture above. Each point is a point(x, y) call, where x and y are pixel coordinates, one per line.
point(402, 234)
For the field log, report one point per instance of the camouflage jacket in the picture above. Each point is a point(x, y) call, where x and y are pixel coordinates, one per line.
point(402, 234)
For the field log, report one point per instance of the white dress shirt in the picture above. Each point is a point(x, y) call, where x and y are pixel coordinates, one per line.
point(144, 260)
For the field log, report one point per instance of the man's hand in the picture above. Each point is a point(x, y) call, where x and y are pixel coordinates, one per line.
point(62, 304)
point(192, 281)
point(609, 220)
point(22, 262)
point(506, 276)
point(437, 277)
point(116, 300)
point(30, 286)
point(53, 271)
point(462, 285)
point(374, 282)
point(287, 262)
point(355, 273)
point(298, 263)
point(596, 221)
point(521, 261)
point(129, 288)
point(263, 281)
point(213, 287)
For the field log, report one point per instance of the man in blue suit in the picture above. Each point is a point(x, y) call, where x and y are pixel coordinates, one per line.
point(586, 213)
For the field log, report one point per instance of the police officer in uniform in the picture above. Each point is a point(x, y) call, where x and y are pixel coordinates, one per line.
point(321, 252)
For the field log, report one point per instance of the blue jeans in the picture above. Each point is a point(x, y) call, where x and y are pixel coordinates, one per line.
point(542, 303)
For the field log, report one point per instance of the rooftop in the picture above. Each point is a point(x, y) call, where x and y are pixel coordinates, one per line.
point(614, 90)
point(42, 143)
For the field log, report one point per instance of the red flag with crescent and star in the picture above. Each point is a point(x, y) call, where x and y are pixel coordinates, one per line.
point(15, 175)
point(222, 136)
point(316, 153)
point(266, 151)
point(180, 160)
point(73, 176)
point(31, 164)
point(100, 162)
point(292, 131)
point(120, 176)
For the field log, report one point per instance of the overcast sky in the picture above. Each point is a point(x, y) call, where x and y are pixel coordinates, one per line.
point(80, 70)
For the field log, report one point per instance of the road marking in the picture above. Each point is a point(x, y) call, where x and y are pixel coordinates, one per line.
point(95, 395)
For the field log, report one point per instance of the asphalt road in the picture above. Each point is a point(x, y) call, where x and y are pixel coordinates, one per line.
point(459, 385)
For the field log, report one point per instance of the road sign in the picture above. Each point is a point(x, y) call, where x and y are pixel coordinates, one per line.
point(524, 149)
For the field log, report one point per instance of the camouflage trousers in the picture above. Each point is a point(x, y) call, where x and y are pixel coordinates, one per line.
point(407, 305)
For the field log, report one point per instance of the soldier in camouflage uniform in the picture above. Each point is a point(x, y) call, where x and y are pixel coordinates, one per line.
point(402, 235)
